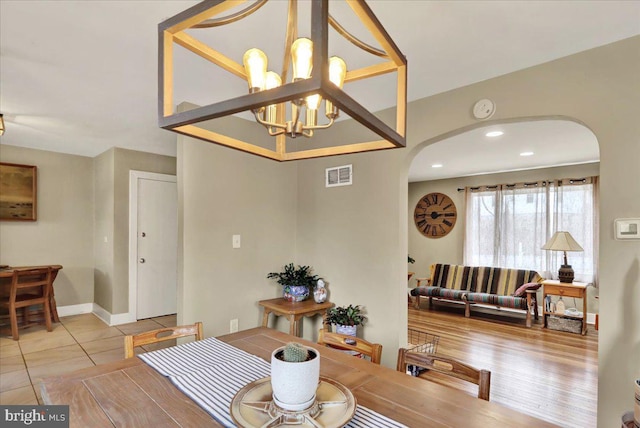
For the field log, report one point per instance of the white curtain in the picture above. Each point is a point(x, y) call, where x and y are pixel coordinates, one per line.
point(506, 226)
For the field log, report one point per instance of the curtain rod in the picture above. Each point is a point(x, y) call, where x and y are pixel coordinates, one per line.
point(534, 183)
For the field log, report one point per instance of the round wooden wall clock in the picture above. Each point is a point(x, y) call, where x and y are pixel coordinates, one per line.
point(435, 215)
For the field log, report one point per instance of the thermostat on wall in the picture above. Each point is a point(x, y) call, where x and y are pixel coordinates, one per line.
point(627, 228)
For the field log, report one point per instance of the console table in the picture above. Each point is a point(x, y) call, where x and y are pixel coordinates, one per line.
point(294, 311)
point(565, 289)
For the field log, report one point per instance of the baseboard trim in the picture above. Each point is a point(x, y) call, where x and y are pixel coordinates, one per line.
point(82, 308)
point(112, 319)
point(97, 310)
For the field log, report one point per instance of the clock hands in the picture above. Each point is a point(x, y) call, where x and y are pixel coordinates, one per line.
point(434, 215)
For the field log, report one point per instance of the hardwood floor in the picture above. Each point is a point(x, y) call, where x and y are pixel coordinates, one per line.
point(548, 374)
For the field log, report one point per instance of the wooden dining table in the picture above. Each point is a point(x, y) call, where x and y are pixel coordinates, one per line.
point(6, 273)
point(129, 393)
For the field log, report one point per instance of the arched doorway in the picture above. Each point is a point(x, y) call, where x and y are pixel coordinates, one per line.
point(562, 149)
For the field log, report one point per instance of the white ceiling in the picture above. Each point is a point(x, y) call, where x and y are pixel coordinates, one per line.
point(550, 142)
point(81, 76)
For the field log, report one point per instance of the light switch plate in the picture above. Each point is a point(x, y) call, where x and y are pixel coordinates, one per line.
point(627, 228)
point(236, 241)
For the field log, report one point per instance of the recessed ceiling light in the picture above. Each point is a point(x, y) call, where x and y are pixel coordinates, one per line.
point(526, 154)
point(494, 133)
point(436, 165)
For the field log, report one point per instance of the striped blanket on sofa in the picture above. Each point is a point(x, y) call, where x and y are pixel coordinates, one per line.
point(481, 285)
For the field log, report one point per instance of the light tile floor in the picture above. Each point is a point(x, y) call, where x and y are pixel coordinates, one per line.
point(76, 342)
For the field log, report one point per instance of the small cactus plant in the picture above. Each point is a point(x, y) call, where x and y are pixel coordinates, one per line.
point(295, 353)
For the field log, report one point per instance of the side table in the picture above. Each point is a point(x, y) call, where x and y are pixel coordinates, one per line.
point(565, 289)
point(294, 311)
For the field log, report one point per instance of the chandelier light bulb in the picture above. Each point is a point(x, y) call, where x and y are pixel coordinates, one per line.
point(255, 65)
point(301, 55)
point(272, 80)
point(337, 71)
point(313, 101)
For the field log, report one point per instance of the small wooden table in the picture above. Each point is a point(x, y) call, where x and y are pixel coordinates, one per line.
point(565, 289)
point(295, 311)
point(7, 273)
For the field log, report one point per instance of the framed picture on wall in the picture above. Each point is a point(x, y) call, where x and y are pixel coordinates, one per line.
point(18, 192)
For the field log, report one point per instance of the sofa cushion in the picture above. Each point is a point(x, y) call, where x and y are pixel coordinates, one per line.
point(494, 299)
point(454, 277)
point(426, 291)
point(445, 293)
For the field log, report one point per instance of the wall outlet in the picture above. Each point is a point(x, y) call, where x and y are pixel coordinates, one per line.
point(233, 325)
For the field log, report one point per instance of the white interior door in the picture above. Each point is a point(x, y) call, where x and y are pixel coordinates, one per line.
point(157, 256)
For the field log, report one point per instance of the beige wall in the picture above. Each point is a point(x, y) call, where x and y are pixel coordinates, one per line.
point(64, 229)
point(357, 237)
point(103, 230)
point(112, 221)
point(449, 249)
point(353, 235)
point(224, 192)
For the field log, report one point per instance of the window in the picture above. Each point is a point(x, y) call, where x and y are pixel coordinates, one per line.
point(506, 226)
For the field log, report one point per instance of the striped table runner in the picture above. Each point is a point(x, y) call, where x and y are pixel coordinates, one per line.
point(211, 372)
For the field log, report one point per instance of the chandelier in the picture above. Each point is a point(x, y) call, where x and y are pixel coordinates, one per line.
point(288, 104)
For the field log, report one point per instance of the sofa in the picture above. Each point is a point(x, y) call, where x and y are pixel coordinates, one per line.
point(493, 286)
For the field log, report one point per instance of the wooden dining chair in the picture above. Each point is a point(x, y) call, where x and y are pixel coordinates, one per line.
point(351, 343)
point(160, 335)
point(447, 366)
point(29, 287)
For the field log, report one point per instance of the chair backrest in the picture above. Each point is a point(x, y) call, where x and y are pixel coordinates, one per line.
point(448, 366)
point(351, 343)
point(26, 280)
point(161, 335)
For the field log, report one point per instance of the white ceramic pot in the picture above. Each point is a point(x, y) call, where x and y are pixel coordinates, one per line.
point(636, 407)
point(349, 330)
point(294, 385)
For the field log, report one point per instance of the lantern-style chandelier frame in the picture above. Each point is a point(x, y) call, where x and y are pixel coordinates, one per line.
point(203, 15)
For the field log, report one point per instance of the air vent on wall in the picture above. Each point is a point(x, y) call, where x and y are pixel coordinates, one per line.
point(338, 176)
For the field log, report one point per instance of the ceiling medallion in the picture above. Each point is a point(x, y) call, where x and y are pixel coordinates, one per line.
point(285, 105)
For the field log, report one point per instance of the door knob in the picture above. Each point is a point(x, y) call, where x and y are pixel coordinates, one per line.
point(142, 260)
point(143, 234)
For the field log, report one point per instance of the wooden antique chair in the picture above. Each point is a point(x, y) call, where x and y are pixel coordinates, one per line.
point(160, 335)
point(29, 287)
point(351, 343)
point(447, 366)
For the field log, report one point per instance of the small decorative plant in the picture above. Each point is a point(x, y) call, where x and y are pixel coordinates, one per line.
point(295, 353)
point(295, 373)
point(297, 281)
point(410, 259)
point(346, 315)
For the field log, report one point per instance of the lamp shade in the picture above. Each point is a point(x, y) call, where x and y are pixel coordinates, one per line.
point(562, 241)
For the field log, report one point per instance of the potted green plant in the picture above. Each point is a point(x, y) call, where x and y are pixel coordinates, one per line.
point(346, 318)
point(295, 373)
point(297, 281)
